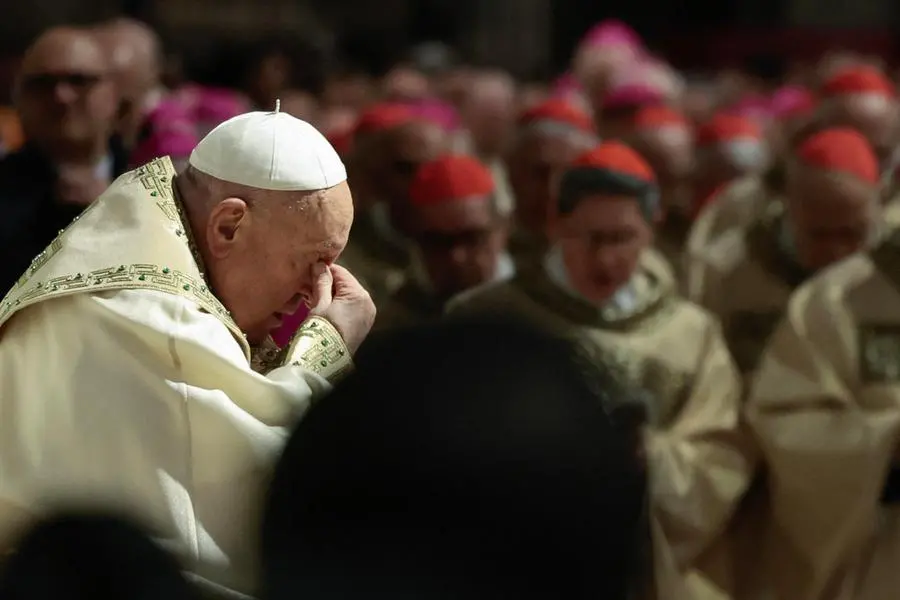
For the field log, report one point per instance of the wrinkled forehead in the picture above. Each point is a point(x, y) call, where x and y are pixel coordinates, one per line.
point(322, 218)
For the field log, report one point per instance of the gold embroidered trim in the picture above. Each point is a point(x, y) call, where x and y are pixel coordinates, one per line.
point(156, 179)
point(318, 347)
point(151, 277)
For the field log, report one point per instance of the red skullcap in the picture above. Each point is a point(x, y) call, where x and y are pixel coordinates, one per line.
point(725, 127)
point(382, 117)
point(841, 150)
point(657, 116)
point(858, 80)
point(559, 111)
point(616, 158)
point(448, 178)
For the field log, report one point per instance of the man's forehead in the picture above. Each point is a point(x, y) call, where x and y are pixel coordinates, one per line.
point(460, 212)
point(65, 51)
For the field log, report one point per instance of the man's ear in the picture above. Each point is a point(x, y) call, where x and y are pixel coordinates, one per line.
point(224, 226)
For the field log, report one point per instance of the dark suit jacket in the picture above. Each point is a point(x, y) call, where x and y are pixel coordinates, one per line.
point(31, 213)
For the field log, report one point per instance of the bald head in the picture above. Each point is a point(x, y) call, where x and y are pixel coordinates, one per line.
point(65, 97)
point(64, 49)
point(489, 111)
point(490, 88)
point(135, 53)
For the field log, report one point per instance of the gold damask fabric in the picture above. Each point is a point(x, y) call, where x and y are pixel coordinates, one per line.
point(826, 409)
point(139, 221)
point(747, 280)
point(136, 237)
point(125, 384)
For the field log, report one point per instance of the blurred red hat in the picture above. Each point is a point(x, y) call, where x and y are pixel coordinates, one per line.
point(616, 158)
point(841, 150)
point(450, 177)
point(558, 110)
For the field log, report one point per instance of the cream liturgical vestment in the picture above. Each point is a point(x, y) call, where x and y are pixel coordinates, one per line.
point(673, 354)
point(125, 383)
point(734, 209)
point(826, 410)
point(747, 280)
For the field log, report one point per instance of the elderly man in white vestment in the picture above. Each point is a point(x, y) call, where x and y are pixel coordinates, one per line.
point(136, 371)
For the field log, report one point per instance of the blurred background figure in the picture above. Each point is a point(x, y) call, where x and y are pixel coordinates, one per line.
point(514, 481)
point(489, 112)
point(547, 138)
point(390, 143)
point(458, 238)
point(136, 56)
point(67, 102)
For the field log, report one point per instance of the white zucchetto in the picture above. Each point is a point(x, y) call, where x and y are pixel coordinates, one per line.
point(269, 151)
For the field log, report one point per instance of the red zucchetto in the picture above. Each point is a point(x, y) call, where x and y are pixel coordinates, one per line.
point(725, 127)
point(382, 117)
point(840, 150)
point(616, 158)
point(658, 116)
point(448, 178)
point(557, 110)
point(858, 80)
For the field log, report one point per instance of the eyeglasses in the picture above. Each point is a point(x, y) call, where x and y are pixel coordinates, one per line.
point(47, 82)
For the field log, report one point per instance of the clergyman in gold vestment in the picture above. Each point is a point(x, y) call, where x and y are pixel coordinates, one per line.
point(831, 209)
point(600, 289)
point(131, 380)
point(826, 410)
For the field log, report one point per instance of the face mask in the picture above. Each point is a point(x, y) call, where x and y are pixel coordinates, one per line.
point(506, 267)
point(746, 154)
point(868, 102)
point(674, 135)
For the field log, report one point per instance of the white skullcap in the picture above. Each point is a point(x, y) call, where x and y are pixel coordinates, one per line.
point(269, 151)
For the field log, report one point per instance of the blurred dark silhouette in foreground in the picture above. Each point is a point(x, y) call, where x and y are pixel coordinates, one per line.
point(466, 460)
point(84, 556)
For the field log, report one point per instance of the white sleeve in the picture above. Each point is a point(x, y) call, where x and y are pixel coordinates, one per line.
point(141, 401)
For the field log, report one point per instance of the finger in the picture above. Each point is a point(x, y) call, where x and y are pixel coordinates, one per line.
point(323, 284)
point(343, 279)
